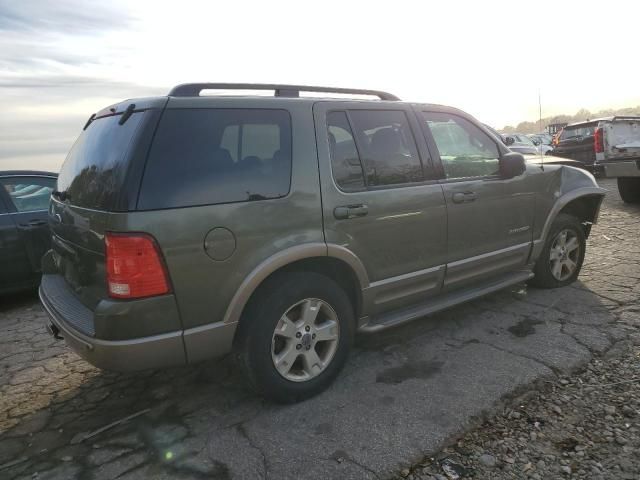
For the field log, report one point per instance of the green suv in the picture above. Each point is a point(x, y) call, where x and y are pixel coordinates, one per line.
point(188, 226)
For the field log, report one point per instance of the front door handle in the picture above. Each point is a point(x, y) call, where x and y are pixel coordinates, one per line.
point(463, 197)
point(34, 224)
point(350, 211)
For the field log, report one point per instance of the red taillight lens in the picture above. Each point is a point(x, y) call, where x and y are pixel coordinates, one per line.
point(598, 140)
point(134, 266)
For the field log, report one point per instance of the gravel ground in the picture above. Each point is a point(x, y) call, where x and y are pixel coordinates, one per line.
point(585, 426)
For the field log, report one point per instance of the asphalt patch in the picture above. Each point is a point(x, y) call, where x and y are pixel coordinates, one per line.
point(410, 370)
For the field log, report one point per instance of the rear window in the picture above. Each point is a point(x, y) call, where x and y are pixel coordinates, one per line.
point(579, 131)
point(212, 156)
point(94, 171)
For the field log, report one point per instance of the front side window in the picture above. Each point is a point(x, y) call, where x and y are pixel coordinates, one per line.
point(212, 156)
point(29, 193)
point(465, 150)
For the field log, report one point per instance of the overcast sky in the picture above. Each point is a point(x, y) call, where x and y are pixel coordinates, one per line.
point(61, 61)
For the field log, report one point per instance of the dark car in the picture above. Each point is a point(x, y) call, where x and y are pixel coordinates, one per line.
point(24, 231)
point(577, 142)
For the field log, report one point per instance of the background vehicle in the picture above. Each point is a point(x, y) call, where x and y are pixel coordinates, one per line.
point(518, 142)
point(576, 141)
point(279, 226)
point(617, 151)
point(24, 230)
point(542, 141)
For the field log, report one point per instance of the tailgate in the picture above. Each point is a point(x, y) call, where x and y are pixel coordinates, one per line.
point(622, 138)
point(78, 250)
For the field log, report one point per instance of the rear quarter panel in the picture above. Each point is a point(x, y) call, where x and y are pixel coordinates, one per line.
point(204, 287)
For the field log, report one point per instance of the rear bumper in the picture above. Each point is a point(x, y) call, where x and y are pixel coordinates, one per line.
point(162, 350)
point(628, 168)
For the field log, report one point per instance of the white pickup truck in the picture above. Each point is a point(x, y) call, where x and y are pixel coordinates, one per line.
point(617, 149)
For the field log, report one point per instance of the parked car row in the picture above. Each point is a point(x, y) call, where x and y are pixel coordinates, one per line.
point(187, 226)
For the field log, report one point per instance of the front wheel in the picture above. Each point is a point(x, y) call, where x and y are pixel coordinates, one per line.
point(562, 255)
point(297, 336)
point(629, 189)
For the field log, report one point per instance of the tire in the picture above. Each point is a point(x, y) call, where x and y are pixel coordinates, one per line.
point(545, 270)
point(629, 188)
point(260, 346)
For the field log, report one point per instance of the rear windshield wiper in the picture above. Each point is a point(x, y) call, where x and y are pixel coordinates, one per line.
point(127, 113)
point(91, 118)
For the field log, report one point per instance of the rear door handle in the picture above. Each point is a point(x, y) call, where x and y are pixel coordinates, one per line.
point(350, 211)
point(463, 197)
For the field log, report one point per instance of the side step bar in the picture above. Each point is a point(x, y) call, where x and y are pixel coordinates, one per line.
point(395, 318)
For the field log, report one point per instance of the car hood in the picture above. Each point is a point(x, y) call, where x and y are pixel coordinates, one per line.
point(552, 160)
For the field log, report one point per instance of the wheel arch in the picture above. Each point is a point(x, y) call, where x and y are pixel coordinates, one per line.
point(583, 203)
point(334, 261)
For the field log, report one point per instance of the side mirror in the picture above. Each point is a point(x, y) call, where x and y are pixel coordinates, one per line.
point(536, 142)
point(509, 140)
point(512, 164)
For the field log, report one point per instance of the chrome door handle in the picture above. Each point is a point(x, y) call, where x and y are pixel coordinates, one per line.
point(350, 211)
point(463, 197)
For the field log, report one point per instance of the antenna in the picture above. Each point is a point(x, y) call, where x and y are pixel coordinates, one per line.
point(540, 118)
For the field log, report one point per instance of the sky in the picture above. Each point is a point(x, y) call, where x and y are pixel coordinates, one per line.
point(61, 61)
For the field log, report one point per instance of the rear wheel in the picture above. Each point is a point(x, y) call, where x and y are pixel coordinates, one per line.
point(561, 259)
point(296, 336)
point(629, 188)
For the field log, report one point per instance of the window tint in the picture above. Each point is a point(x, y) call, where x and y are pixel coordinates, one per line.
point(209, 156)
point(386, 146)
point(29, 193)
point(94, 170)
point(465, 150)
point(345, 162)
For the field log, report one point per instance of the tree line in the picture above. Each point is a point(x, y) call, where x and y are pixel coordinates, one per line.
point(580, 116)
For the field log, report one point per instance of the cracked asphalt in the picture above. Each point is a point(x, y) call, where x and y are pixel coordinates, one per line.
point(402, 394)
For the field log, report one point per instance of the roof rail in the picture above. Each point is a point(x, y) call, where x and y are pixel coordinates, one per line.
point(194, 89)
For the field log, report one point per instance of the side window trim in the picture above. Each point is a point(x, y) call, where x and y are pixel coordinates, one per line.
point(356, 142)
point(432, 145)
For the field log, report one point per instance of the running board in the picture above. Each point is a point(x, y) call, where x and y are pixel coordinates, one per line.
point(395, 318)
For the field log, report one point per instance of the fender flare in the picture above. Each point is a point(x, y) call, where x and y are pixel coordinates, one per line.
point(562, 202)
point(284, 258)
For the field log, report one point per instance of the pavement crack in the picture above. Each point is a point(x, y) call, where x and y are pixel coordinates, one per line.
point(243, 431)
point(344, 457)
point(556, 371)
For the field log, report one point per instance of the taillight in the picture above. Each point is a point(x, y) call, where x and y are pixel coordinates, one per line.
point(598, 140)
point(134, 266)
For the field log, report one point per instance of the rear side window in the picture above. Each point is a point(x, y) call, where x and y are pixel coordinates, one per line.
point(94, 171)
point(28, 194)
point(212, 156)
point(387, 148)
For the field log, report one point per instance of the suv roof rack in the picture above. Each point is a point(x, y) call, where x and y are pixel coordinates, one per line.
point(194, 89)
